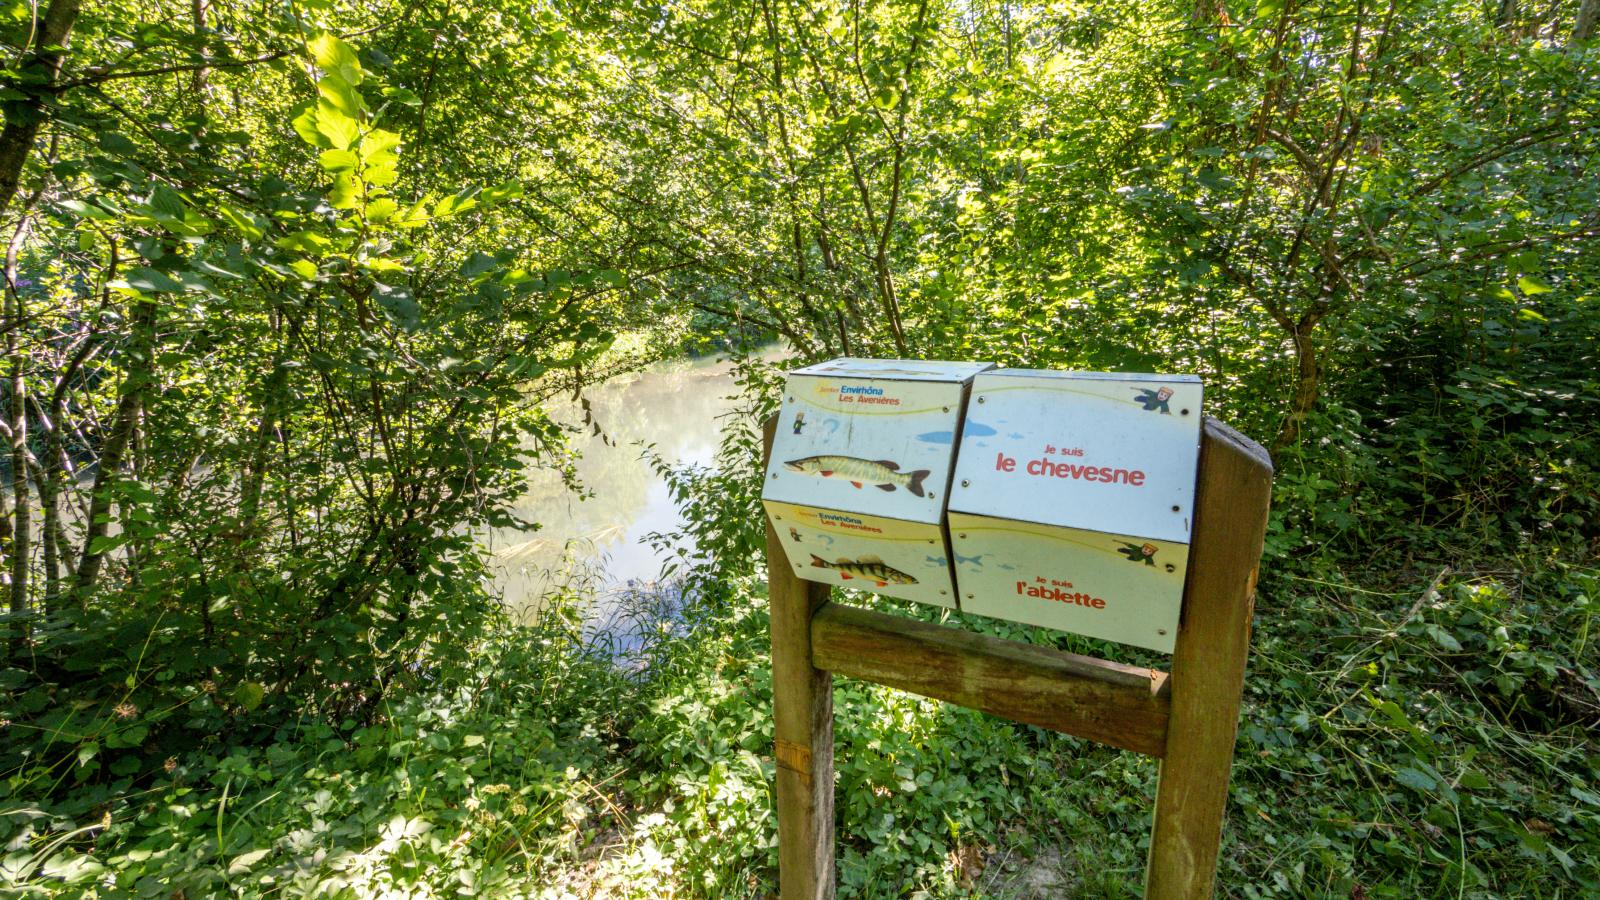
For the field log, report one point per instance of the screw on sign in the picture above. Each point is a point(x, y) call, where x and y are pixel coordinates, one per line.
point(1185, 718)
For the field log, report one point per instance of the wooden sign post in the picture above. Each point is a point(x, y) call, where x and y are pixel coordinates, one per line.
point(1186, 719)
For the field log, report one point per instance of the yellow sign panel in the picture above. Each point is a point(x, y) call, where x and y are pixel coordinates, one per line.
point(870, 553)
point(1113, 587)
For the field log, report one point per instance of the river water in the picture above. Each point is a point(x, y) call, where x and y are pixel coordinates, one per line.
point(593, 544)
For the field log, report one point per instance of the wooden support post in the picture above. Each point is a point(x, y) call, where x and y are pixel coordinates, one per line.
point(802, 707)
point(1208, 664)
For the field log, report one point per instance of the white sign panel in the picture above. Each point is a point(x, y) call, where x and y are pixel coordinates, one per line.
point(1080, 478)
point(1102, 451)
point(882, 444)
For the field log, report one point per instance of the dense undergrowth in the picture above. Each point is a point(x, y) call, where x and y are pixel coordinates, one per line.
point(1397, 742)
point(1418, 723)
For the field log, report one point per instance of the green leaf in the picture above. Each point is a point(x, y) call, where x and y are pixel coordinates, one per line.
point(472, 740)
point(305, 269)
point(381, 171)
point(338, 161)
point(146, 280)
point(307, 241)
point(85, 210)
point(1532, 284)
point(336, 58)
point(303, 116)
point(345, 193)
point(241, 864)
point(249, 695)
point(378, 141)
point(503, 191)
point(1444, 638)
point(342, 96)
point(402, 96)
point(1415, 780)
point(381, 209)
point(413, 216)
point(240, 222)
point(166, 204)
point(458, 203)
point(1474, 780)
point(339, 129)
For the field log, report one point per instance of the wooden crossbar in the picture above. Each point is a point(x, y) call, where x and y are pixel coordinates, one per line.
point(1123, 706)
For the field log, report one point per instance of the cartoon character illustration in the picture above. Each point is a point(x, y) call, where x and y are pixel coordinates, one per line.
point(870, 568)
point(1136, 553)
point(1154, 400)
point(794, 534)
point(799, 422)
point(882, 473)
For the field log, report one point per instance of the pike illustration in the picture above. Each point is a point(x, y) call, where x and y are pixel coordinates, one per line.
point(881, 473)
point(869, 567)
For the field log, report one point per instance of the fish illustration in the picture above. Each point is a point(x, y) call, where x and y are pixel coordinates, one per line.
point(882, 473)
point(794, 534)
point(936, 560)
point(869, 567)
point(975, 560)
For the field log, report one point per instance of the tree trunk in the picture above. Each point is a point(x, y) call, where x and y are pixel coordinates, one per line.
point(134, 386)
point(23, 117)
point(1307, 384)
point(1583, 26)
point(22, 532)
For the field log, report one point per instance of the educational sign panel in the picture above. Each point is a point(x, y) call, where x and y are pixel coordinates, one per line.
point(1114, 587)
point(869, 553)
point(870, 439)
point(1085, 478)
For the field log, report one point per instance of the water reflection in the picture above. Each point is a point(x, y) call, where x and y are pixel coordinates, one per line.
point(675, 406)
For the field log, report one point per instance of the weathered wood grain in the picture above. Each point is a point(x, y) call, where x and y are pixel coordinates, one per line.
point(1103, 701)
point(1208, 664)
point(802, 708)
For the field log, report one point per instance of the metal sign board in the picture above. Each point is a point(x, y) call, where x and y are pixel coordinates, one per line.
point(1080, 478)
point(869, 439)
point(870, 553)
